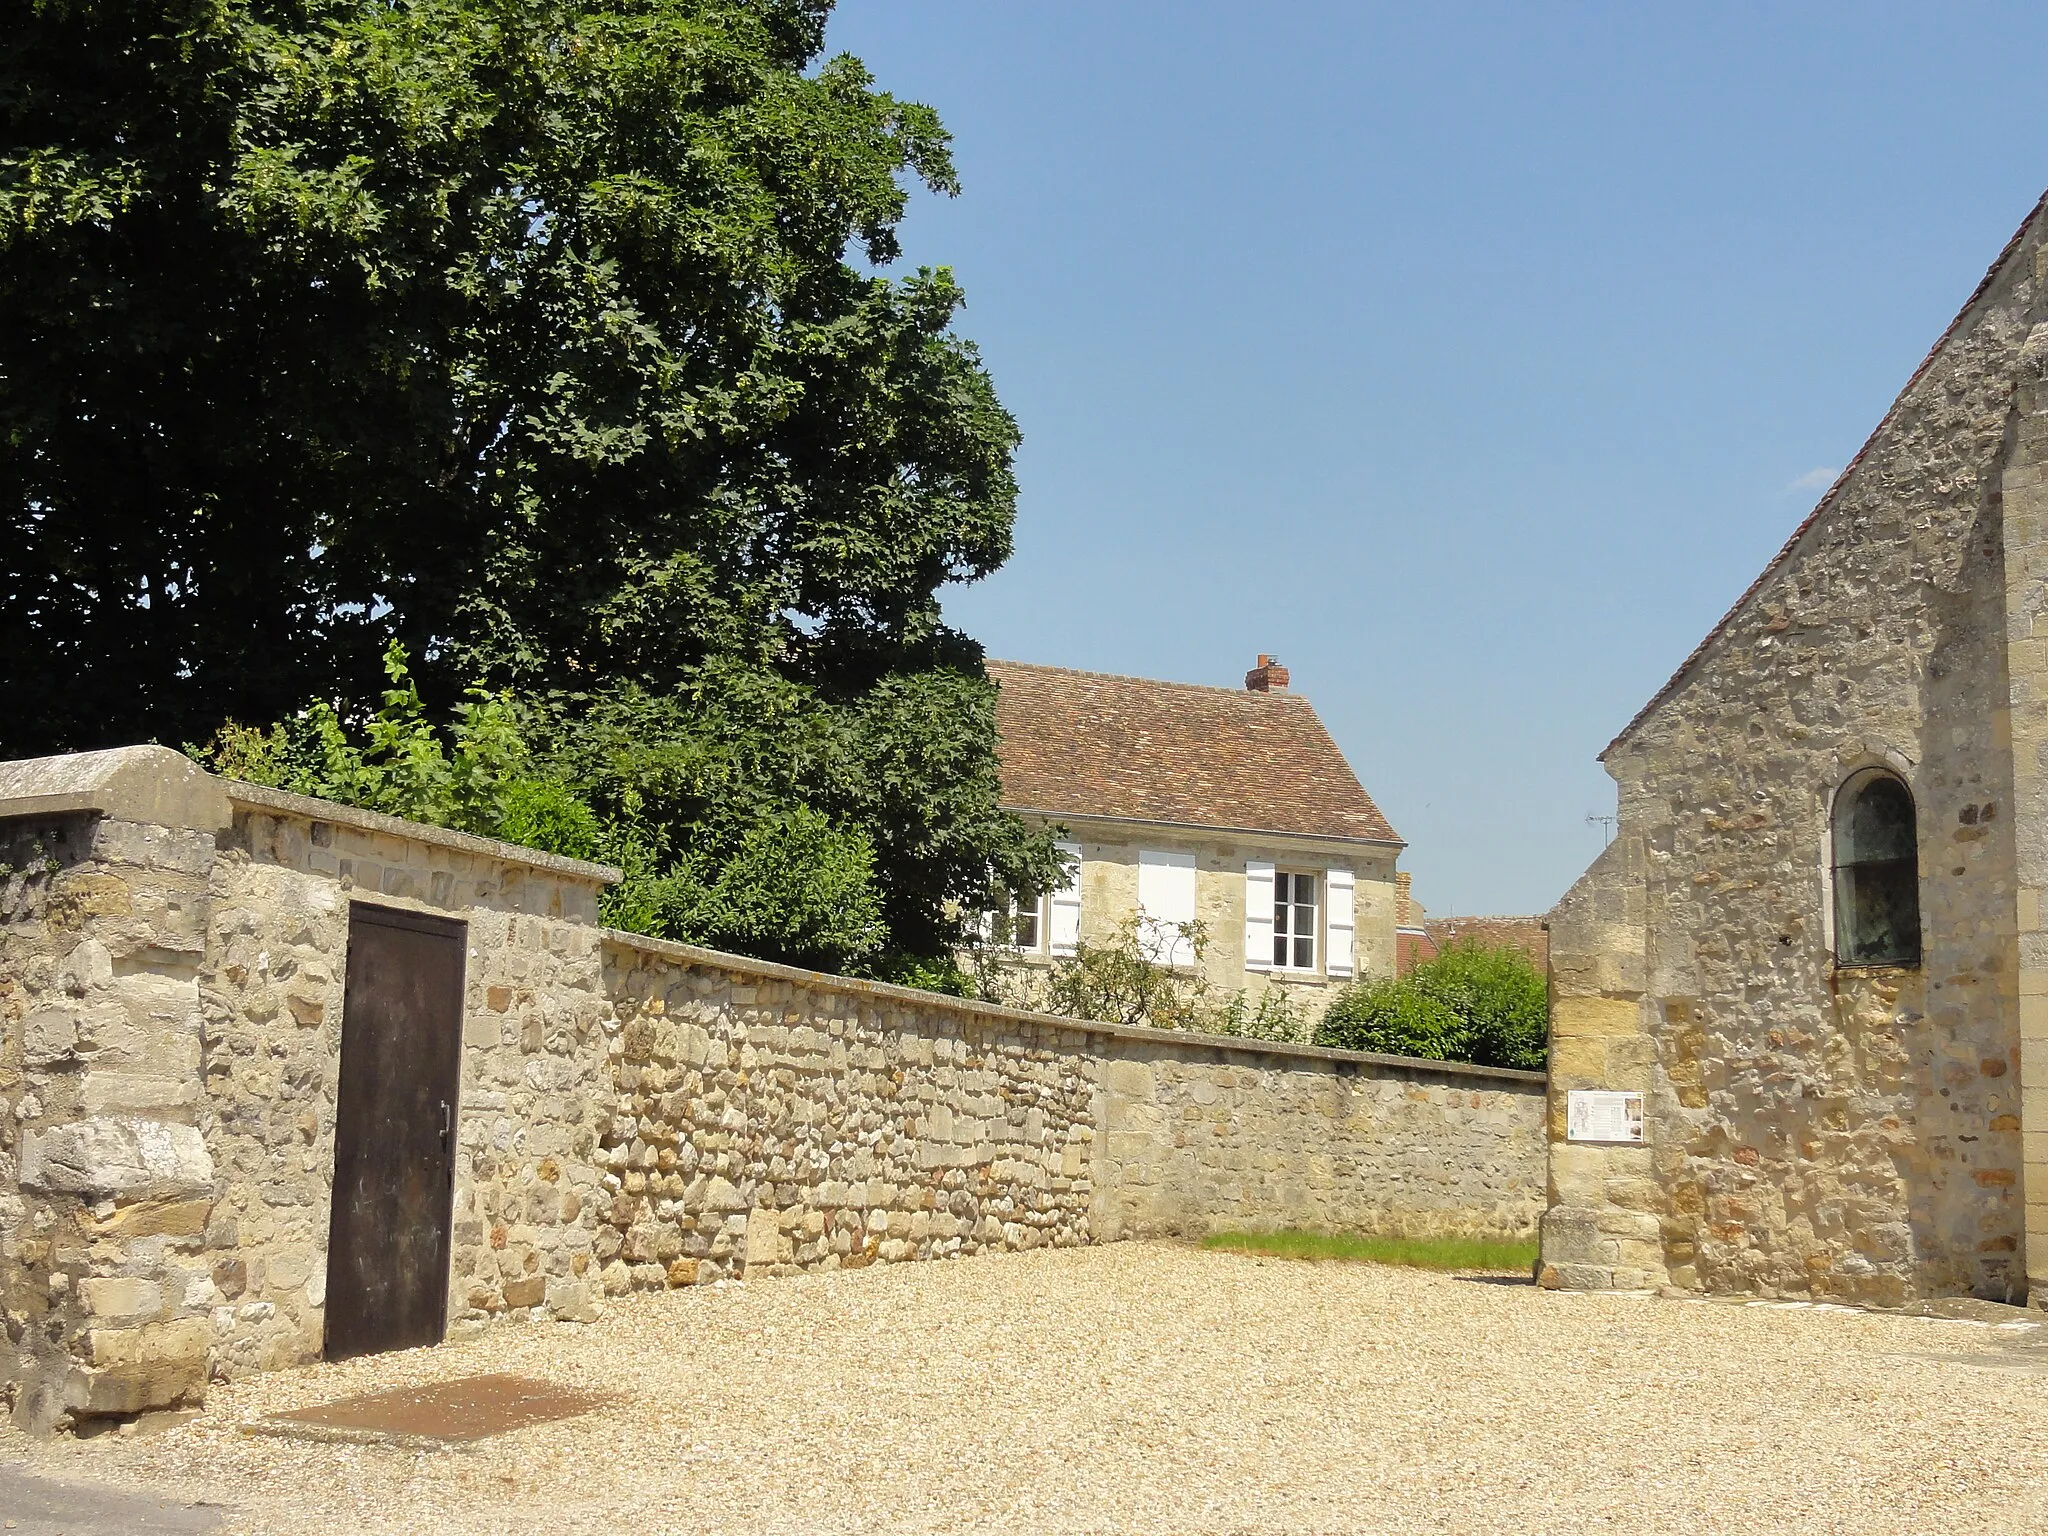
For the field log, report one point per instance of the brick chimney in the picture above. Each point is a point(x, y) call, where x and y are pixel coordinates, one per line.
point(1267, 677)
point(1404, 900)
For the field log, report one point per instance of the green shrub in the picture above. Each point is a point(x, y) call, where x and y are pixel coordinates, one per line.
point(795, 886)
point(1125, 982)
point(1124, 979)
point(1267, 1014)
point(1470, 1003)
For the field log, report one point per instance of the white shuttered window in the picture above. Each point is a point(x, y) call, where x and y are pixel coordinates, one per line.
point(1294, 921)
point(1258, 915)
point(1339, 923)
point(1066, 903)
point(1166, 899)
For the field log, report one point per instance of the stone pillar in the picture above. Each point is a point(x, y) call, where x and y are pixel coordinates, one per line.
point(106, 1194)
point(1601, 1230)
point(2025, 492)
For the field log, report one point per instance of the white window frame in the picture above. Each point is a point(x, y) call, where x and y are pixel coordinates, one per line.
point(1036, 912)
point(1284, 913)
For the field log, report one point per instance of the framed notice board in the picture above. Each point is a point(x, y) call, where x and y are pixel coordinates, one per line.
point(1603, 1115)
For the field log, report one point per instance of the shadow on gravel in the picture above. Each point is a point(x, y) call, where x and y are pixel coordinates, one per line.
point(1496, 1279)
point(45, 1506)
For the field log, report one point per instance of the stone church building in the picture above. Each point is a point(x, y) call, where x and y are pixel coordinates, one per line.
point(1800, 1004)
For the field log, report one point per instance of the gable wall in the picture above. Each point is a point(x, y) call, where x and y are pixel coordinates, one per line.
point(1855, 1133)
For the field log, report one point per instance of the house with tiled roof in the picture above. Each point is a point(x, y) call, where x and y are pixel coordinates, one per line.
point(1182, 803)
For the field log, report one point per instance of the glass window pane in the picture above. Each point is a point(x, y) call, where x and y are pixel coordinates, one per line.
point(1305, 952)
point(1877, 913)
point(1877, 878)
point(1877, 823)
point(1279, 949)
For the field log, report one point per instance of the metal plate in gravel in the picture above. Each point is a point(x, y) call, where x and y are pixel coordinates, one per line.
point(452, 1413)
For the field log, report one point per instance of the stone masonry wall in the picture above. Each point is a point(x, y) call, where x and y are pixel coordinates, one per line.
point(777, 1121)
point(776, 1117)
point(2024, 494)
point(1198, 1138)
point(535, 1090)
point(1819, 1130)
point(105, 1177)
point(633, 1114)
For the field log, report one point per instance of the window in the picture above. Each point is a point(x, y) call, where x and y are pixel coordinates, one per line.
point(1294, 921)
point(1877, 873)
point(1015, 926)
point(1024, 926)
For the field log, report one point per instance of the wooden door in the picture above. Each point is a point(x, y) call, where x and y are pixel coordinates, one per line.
point(394, 1133)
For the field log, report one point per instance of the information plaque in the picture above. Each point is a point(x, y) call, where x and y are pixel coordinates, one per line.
point(1599, 1114)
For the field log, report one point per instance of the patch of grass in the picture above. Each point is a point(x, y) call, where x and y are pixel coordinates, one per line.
point(1450, 1253)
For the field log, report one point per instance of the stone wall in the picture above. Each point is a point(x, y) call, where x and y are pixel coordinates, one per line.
point(1816, 1129)
point(2023, 495)
point(775, 1116)
point(536, 1087)
point(633, 1114)
point(1200, 1135)
point(105, 1177)
point(170, 1029)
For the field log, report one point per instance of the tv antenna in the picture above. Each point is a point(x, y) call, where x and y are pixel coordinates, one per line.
point(1606, 826)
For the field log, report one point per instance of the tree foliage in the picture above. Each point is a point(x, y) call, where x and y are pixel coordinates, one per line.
point(795, 887)
point(1469, 1003)
point(543, 337)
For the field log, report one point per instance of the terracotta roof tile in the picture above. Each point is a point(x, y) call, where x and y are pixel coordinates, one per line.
point(1090, 744)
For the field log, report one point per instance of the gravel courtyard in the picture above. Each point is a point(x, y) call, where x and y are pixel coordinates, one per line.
point(1156, 1388)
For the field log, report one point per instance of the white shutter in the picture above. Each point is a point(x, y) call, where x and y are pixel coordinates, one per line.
point(1340, 924)
point(1166, 899)
point(1258, 915)
point(1066, 902)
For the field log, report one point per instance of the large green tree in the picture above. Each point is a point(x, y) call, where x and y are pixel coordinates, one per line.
point(543, 336)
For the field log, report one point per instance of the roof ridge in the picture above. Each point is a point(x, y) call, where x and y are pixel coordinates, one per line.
point(1829, 496)
point(1156, 682)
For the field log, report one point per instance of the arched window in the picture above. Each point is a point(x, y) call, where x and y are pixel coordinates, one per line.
point(1877, 872)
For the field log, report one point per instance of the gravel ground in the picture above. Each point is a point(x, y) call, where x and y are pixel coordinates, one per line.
point(1150, 1387)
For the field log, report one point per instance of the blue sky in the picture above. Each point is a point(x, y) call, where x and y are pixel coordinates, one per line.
point(1471, 359)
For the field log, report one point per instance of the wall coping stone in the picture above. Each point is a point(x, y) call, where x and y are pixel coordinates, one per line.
point(262, 797)
point(883, 991)
point(154, 784)
point(142, 784)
